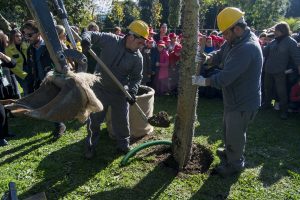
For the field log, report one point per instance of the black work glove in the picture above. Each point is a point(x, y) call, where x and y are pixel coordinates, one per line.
point(86, 45)
point(131, 100)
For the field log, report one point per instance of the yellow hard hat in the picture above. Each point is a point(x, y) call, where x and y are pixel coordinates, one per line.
point(228, 18)
point(139, 28)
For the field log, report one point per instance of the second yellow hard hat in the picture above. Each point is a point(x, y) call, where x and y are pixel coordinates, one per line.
point(228, 17)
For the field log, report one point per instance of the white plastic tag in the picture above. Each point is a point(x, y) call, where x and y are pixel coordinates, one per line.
point(5, 81)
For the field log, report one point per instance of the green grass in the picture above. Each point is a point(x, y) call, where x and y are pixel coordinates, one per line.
point(37, 163)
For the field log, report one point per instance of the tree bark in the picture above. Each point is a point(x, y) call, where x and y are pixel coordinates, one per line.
point(187, 93)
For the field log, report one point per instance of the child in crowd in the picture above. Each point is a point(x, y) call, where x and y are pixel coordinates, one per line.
point(295, 97)
point(174, 69)
point(173, 42)
point(147, 67)
point(161, 80)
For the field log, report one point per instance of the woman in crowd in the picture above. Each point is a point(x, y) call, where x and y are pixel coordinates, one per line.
point(8, 86)
point(162, 32)
point(62, 36)
point(277, 57)
point(17, 49)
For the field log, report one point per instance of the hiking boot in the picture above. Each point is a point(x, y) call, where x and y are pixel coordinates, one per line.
point(3, 142)
point(221, 153)
point(123, 150)
point(89, 152)
point(226, 170)
point(10, 134)
point(59, 131)
point(266, 106)
point(284, 116)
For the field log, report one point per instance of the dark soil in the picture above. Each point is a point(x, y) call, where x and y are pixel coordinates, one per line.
point(161, 119)
point(200, 161)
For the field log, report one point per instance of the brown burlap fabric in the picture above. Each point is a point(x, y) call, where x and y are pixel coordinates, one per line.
point(62, 98)
point(138, 126)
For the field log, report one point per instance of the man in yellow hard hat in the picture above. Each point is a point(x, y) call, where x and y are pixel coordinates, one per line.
point(241, 59)
point(122, 56)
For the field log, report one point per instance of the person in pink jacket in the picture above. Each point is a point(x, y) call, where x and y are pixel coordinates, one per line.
point(295, 97)
point(161, 83)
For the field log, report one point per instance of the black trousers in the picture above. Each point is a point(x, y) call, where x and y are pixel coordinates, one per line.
point(3, 122)
point(277, 82)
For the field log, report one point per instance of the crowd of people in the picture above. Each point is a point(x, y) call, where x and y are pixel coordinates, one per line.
point(143, 56)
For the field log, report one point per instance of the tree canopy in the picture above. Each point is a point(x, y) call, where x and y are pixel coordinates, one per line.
point(260, 14)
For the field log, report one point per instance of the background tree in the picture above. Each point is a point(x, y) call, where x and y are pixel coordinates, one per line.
point(80, 12)
point(187, 94)
point(205, 6)
point(294, 23)
point(145, 10)
point(261, 14)
point(131, 12)
point(156, 14)
point(117, 14)
point(16, 11)
point(164, 11)
point(294, 9)
point(175, 13)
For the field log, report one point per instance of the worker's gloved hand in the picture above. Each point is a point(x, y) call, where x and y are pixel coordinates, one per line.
point(131, 100)
point(199, 80)
point(201, 57)
point(86, 45)
point(288, 71)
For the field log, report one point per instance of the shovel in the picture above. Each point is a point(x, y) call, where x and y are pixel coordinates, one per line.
point(161, 119)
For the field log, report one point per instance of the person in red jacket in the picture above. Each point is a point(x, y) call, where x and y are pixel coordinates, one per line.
point(174, 69)
point(295, 97)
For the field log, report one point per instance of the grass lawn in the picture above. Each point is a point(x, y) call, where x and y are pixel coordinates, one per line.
point(37, 163)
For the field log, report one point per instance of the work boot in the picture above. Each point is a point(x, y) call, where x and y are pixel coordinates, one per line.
point(123, 150)
point(266, 106)
point(59, 130)
point(123, 146)
point(10, 134)
point(89, 152)
point(91, 143)
point(221, 153)
point(226, 170)
point(3, 142)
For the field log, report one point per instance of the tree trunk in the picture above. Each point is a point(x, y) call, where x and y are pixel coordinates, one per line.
point(187, 93)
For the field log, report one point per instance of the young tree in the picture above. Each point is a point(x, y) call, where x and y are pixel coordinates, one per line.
point(156, 13)
point(131, 12)
point(261, 14)
point(146, 10)
point(187, 94)
point(79, 12)
point(164, 11)
point(17, 11)
point(175, 13)
point(117, 13)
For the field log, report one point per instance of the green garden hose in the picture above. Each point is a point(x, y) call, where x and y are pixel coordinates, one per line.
point(143, 146)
